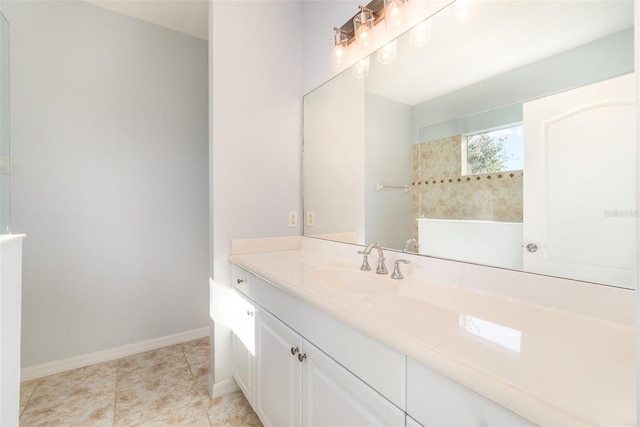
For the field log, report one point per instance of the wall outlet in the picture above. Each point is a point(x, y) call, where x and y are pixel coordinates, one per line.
point(293, 218)
point(310, 218)
point(5, 165)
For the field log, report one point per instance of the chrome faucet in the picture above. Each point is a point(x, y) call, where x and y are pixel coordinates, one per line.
point(381, 269)
point(409, 243)
point(397, 274)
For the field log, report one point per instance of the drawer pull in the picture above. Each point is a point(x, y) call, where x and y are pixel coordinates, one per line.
point(240, 281)
point(302, 357)
point(294, 351)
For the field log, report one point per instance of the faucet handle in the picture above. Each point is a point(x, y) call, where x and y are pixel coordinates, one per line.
point(397, 274)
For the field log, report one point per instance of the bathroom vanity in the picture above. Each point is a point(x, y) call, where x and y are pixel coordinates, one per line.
point(317, 341)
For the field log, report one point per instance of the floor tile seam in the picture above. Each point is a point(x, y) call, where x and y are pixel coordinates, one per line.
point(78, 402)
point(115, 397)
point(194, 353)
point(193, 375)
point(204, 400)
point(24, 408)
point(191, 368)
point(208, 417)
point(195, 364)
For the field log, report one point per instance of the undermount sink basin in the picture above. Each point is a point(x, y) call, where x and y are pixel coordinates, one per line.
point(363, 282)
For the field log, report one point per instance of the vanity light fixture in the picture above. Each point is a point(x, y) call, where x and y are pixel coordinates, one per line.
point(339, 55)
point(387, 53)
point(361, 69)
point(394, 13)
point(363, 27)
point(370, 15)
point(397, 14)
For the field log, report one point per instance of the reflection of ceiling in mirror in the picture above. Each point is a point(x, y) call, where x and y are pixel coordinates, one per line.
point(502, 35)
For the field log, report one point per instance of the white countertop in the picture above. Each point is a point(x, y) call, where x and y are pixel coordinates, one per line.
point(6, 238)
point(551, 366)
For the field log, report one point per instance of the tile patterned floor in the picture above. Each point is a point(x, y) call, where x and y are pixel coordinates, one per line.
point(164, 387)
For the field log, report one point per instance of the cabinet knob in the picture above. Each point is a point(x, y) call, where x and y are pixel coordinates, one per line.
point(239, 281)
point(294, 351)
point(302, 357)
point(250, 313)
point(531, 247)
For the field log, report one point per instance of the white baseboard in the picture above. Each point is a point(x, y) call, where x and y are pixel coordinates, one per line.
point(83, 360)
point(223, 387)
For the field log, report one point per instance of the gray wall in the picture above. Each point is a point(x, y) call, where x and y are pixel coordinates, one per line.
point(110, 183)
point(389, 159)
point(334, 158)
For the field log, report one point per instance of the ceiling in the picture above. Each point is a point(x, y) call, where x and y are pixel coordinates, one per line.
point(501, 36)
point(185, 16)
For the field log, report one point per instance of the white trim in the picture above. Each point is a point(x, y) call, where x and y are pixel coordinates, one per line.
point(222, 388)
point(11, 237)
point(83, 360)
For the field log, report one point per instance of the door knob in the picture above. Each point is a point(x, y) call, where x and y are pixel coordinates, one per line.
point(531, 247)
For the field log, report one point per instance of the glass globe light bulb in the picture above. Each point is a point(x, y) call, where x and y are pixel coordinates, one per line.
point(361, 69)
point(387, 53)
point(363, 34)
point(394, 13)
point(363, 24)
point(420, 34)
point(338, 57)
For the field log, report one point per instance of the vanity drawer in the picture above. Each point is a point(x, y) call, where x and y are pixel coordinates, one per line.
point(377, 365)
point(243, 281)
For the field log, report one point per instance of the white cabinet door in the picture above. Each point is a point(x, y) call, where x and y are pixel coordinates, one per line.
point(334, 396)
point(243, 343)
point(435, 400)
point(297, 384)
point(580, 183)
point(278, 372)
point(10, 304)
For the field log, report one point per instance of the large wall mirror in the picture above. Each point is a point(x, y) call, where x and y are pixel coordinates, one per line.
point(507, 140)
point(5, 141)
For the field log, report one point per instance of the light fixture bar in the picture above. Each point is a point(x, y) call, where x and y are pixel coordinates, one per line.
point(376, 7)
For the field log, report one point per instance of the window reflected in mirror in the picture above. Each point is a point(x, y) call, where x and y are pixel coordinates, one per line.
point(497, 150)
